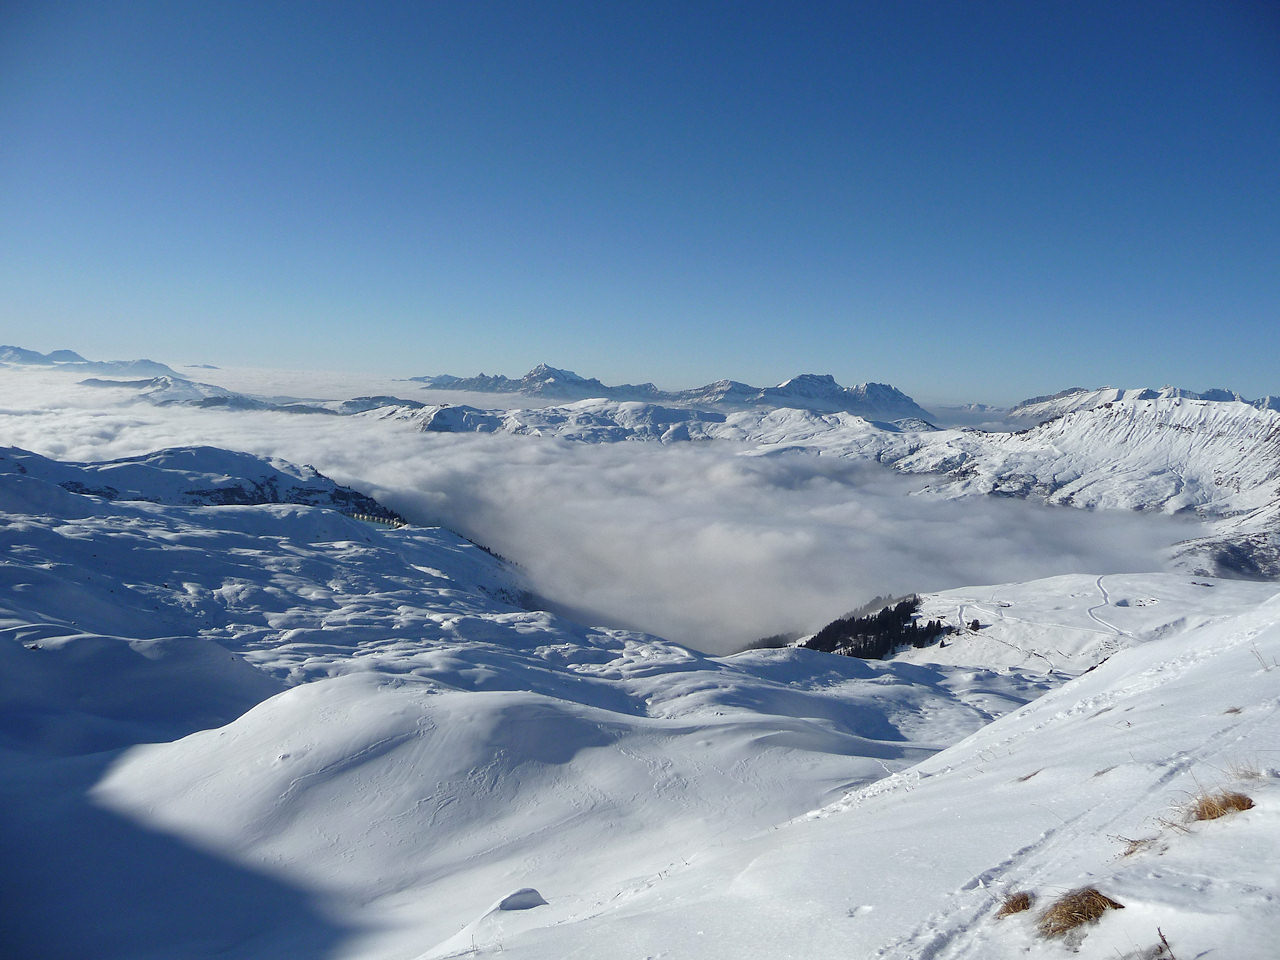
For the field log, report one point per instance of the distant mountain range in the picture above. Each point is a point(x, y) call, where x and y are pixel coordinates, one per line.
point(70, 360)
point(808, 391)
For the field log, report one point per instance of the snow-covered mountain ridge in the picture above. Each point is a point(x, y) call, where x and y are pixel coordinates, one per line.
point(819, 393)
point(264, 730)
point(1170, 454)
point(69, 360)
point(1216, 459)
point(1167, 452)
point(1037, 409)
point(195, 476)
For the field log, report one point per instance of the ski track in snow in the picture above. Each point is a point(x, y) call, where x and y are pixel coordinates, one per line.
point(1093, 615)
point(959, 930)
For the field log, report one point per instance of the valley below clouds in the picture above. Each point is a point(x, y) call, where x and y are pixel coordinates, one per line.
point(712, 544)
point(246, 712)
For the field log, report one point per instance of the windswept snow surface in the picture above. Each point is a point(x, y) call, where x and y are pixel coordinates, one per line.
point(1086, 786)
point(420, 746)
point(272, 730)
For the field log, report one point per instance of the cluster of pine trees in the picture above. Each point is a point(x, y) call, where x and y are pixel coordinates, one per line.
point(873, 637)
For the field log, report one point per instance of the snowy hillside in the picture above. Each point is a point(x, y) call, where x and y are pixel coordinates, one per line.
point(237, 721)
point(1091, 785)
point(265, 730)
point(417, 739)
point(193, 476)
point(1039, 409)
point(1137, 454)
point(1215, 459)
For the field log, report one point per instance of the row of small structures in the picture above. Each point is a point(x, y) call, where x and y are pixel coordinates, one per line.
point(394, 522)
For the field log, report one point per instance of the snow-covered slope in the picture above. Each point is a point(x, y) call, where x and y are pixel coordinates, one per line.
point(194, 476)
point(1087, 786)
point(435, 743)
point(1039, 409)
point(268, 729)
point(1214, 459)
point(1169, 454)
point(162, 390)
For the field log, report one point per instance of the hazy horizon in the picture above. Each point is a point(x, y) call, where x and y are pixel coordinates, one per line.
point(980, 202)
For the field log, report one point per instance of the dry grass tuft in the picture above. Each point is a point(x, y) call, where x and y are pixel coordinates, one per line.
point(1016, 903)
point(1245, 770)
point(1211, 806)
point(1074, 909)
point(1141, 844)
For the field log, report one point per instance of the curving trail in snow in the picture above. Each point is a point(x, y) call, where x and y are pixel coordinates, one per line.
point(1106, 602)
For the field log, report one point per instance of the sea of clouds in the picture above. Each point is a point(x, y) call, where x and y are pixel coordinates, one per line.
point(710, 544)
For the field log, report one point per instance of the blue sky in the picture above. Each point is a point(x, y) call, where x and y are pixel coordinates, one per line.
point(970, 200)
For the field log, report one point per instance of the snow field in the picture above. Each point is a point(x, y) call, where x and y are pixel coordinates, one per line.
point(437, 747)
point(271, 730)
point(1044, 799)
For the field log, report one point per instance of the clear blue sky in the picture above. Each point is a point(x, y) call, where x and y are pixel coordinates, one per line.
point(970, 200)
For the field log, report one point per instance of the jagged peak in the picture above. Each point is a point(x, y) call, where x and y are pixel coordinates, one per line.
point(544, 371)
point(816, 379)
point(1079, 398)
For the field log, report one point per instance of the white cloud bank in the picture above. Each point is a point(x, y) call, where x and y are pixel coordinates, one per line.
point(695, 542)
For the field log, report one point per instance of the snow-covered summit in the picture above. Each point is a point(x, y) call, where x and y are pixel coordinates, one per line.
point(12, 354)
point(166, 389)
point(1037, 409)
point(873, 401)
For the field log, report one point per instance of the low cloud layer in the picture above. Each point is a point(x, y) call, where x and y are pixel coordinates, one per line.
point(702, 543)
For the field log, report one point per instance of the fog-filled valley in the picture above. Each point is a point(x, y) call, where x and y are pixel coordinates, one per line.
point(712, 544)
point(331, 666)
